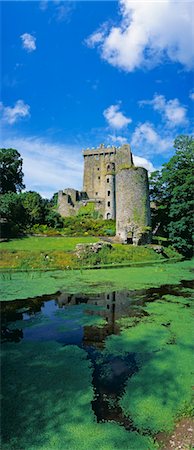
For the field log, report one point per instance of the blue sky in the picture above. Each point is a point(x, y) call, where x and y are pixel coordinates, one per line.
point(77, 74)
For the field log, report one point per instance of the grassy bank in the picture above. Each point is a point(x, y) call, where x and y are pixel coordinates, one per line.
point(18, 285)
point(59, 253)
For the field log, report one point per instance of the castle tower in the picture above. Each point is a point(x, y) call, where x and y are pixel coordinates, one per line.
point(95, 169)
point(133, 219)
point(117, 189)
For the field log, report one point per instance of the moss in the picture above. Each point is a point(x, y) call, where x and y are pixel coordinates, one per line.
point(86, 210)
point(125, 166)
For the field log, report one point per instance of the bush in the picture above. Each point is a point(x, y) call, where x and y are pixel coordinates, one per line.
point(43, 229)
point(80, 225)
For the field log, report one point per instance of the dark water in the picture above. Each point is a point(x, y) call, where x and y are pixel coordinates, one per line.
point(73, 319)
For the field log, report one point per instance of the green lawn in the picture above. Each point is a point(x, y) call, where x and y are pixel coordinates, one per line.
point(55, 253)
point(41, 244)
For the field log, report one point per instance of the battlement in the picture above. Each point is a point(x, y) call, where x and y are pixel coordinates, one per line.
point(101, 150)
point(109, 150)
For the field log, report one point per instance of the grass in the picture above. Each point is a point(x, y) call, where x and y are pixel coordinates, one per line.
point(43, 244)
point(31, 284)
point(52, 402)
point(59, 253)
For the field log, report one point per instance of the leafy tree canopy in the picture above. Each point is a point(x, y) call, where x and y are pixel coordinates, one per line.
point(172, 192)
point(11, 175)
point(34, 207)
point(13, 215)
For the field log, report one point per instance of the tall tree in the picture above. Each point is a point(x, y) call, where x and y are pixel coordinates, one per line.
point(13, 215)
point(11, 175)
point(172, 190)
point(34, 207)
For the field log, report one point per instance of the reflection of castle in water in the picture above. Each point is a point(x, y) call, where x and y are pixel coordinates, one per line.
point(112, 306)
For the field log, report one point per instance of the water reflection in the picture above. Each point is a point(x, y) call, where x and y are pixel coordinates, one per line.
point(72, 318)
point(86, 320)
point(63, 317)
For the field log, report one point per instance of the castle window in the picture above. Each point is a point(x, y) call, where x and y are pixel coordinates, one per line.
point(107, 180)
point(108, 204)
point(96, 193)
point(98, 178)
point(108, 216)
point(98, 168)
point(108, 193)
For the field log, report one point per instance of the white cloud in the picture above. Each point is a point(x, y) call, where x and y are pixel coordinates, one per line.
point(48, 167)
point(143, 162)
point(171, 110)
point(149, 32)
point(120, 139)
point(116, 118)
point(60, 10)
point(191, 95)
point(147, 139)
point(28, 42)
point(11, 115)
point(138, 160)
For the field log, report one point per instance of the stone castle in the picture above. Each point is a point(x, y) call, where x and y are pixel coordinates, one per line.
point(117, 189)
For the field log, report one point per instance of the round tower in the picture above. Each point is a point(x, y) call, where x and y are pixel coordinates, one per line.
point(110, 210)
point(133, 219)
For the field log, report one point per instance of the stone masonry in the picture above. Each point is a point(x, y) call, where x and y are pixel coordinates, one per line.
point(117, 189)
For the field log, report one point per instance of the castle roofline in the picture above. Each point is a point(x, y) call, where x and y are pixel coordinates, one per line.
point(101, 150)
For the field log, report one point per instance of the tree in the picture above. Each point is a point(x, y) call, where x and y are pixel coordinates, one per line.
point(13, 215)
point(54, 199)
point(11, 175)
point(34, 207)
point(53, 219)
point(172, 190)
point(160, 203)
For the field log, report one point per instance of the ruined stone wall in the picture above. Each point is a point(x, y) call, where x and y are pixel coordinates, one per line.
point(133, 218)
point(66, 207)
point(70, 201)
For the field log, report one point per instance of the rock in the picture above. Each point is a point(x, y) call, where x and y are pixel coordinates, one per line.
point(91, 248)
point(158, 248)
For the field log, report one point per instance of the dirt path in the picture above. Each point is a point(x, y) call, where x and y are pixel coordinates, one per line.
point(182, 437)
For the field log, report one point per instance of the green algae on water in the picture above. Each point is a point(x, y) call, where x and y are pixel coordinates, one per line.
point(32, 284)
point(159, 391)
point(52, 390)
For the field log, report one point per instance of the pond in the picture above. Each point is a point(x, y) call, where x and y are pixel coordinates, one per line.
point(71, 361)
